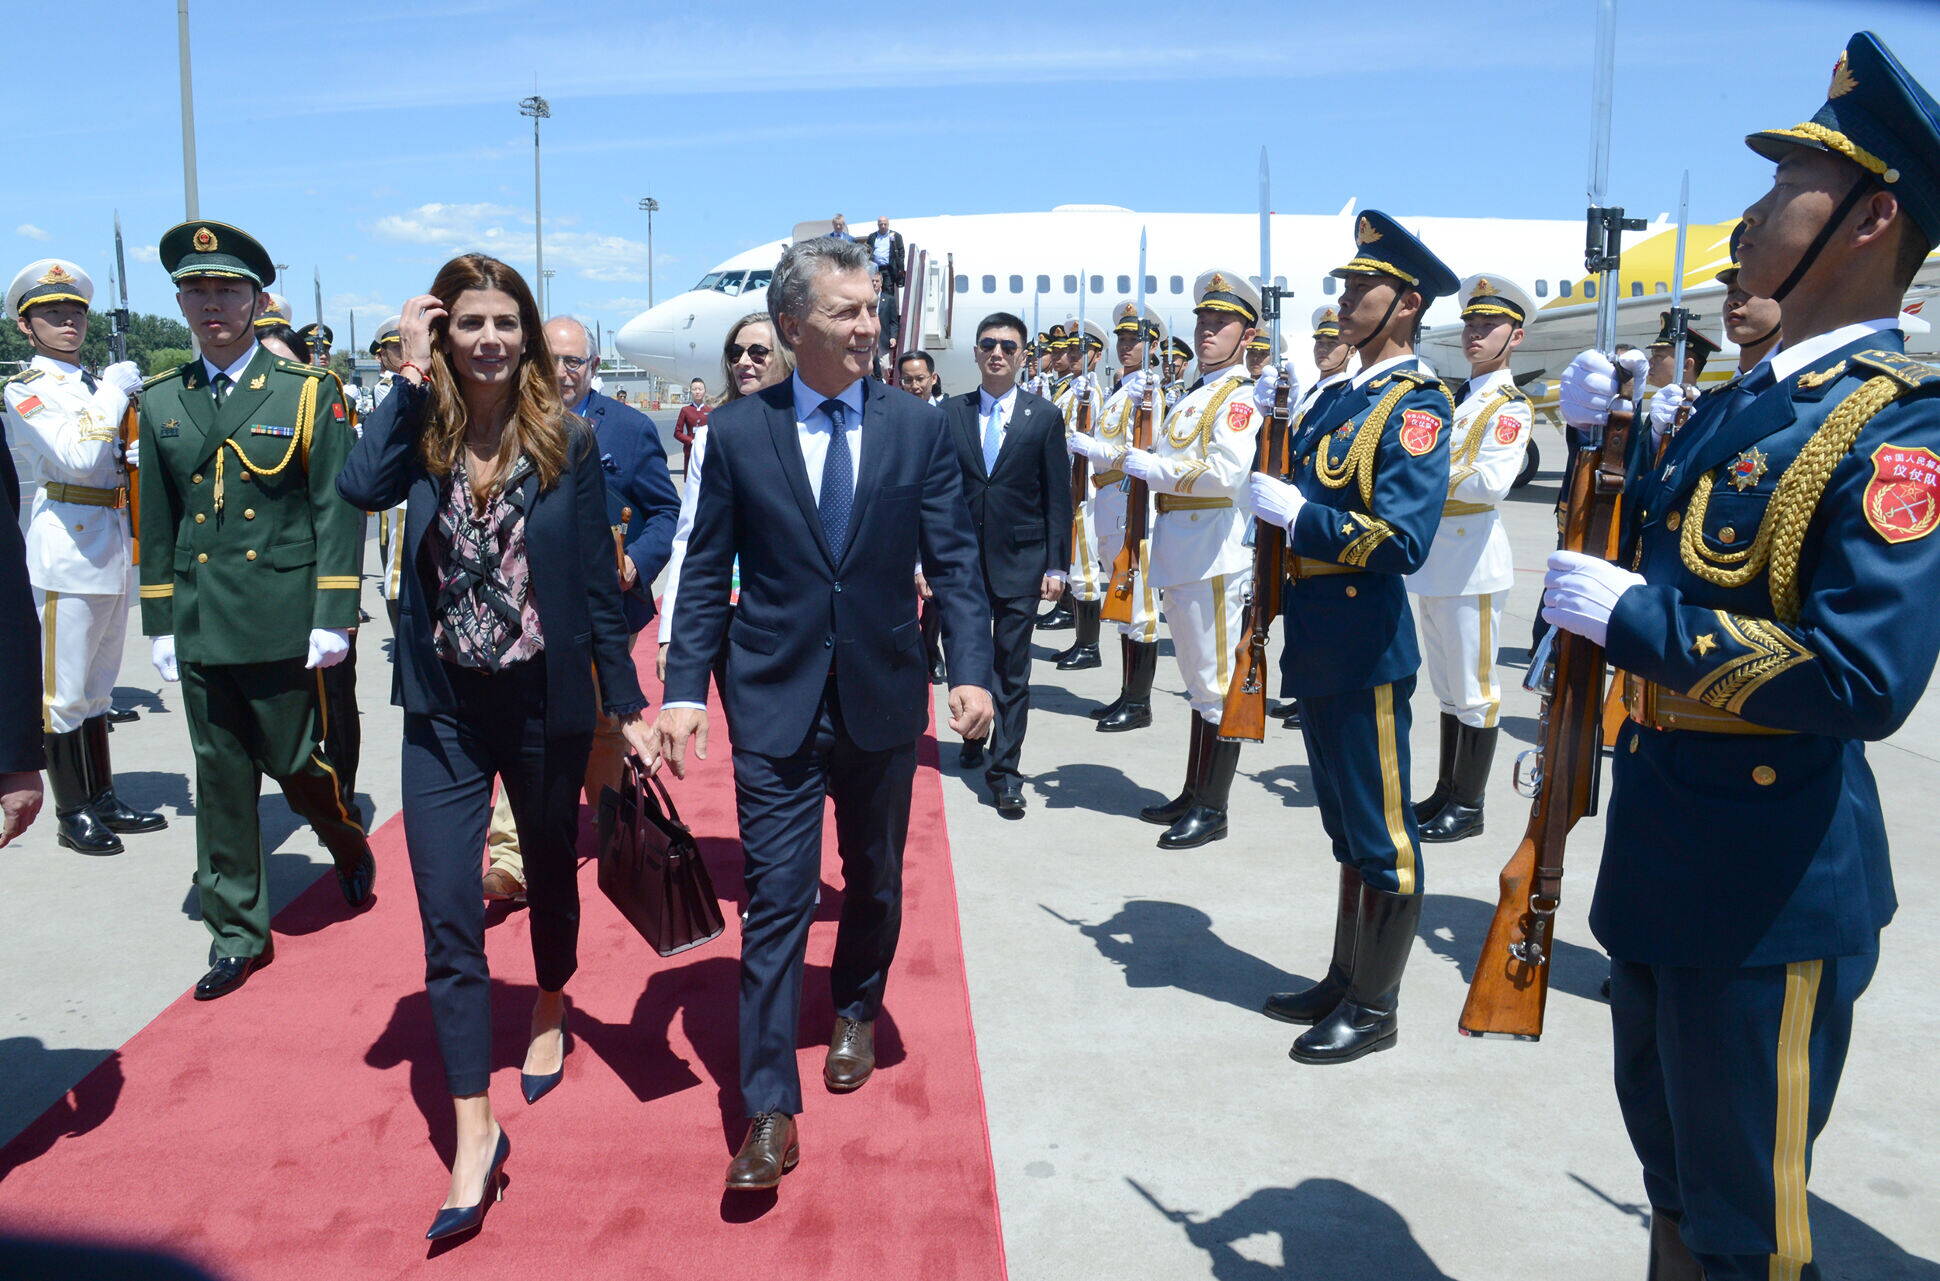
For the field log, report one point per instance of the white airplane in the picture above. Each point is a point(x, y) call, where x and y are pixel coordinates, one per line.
point(962, 268)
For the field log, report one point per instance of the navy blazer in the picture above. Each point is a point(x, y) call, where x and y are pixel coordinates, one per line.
point(635, 463)
point(1022, 507)
point(806, 610)
point(20, 712)
point(569, 550)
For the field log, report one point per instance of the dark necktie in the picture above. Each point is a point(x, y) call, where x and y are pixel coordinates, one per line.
point(838, 480)
point(221, 385)
point(87, 380)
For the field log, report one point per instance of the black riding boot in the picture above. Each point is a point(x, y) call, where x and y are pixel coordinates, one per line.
point(1125, 680)
point(69, 778)
point(1444, 772)
point(1205, 822)
point(1670, 1258)
point(1134, 707)
point(1313, 1003)
point(1084, 647)
point(1058, 618)
point(1173, 810)
point(1461, 818)
point(1364, 1021)
point(101, 782)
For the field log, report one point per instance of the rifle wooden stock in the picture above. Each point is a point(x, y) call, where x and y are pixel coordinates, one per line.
point(1138, 525)
point(1510, 989)
point(1244, 716)
point(130, 431)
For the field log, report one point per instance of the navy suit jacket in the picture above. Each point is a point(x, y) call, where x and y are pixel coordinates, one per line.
point(806, 609)
point(635, 463)
point(20, 713)
point(1021, 508)
point(569, 551)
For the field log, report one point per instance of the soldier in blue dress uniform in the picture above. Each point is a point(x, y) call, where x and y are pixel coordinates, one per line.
point(1370, 472)
point(1773, 608)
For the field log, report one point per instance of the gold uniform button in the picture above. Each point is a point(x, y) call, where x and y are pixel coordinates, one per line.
point(1727, 535)
point(245, 478)
point(202, 558)
point(1764, 775)
point(1672, 521)
point(250, 554)
point(249, 513)
point(1353, 591)
point(200, 518)
point(1633, 743)
point(197, 478)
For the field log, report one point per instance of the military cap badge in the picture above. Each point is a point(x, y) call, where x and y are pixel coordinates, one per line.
point(56, 275)
point(1217, 283)
point(204, 240)
point(1842, 78)
point(1364, 232)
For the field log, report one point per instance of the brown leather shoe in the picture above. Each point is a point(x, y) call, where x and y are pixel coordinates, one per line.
point(852, 1055)
point(500, 885)
point(771, 1150)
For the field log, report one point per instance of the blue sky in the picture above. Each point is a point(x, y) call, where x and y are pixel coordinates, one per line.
point(374, 143)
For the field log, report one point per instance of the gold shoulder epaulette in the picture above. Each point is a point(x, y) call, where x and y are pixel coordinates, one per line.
point(26, 375)
point(1418, 377)
point(1911, 372)
point(161, 377)
point(298, 367)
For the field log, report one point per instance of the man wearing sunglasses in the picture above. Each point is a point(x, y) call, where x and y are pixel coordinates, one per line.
point(1017, 482)
point(635, 463)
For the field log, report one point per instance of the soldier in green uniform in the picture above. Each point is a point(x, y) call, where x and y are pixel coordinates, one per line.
point(250, 585)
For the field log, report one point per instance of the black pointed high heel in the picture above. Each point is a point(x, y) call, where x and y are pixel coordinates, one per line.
point(537, 1087)
point(465, 1218)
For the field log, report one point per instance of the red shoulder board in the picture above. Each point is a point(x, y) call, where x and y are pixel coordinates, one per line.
point(1507, 428)
point(1903, 498)
point(1238, 416)
point(1419, 431)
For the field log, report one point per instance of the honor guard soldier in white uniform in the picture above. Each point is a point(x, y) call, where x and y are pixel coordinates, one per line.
point(1370, 474)
point(1178, 354)
point(1112, 433)
point(67, 426)
point(388, 347)
point(1459, 592)
point(1087, 592)
point(1260, 353)
point(1059, 353)
point(1200, 560)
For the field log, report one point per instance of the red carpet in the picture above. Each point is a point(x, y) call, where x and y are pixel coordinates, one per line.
point(300, 1127)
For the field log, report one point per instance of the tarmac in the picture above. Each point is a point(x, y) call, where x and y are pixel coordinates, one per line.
point(1144, 1118)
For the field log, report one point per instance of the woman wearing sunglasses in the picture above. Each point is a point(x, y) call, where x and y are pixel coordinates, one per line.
point(750, 359)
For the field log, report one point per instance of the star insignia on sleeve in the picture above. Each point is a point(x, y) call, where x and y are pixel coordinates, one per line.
point(1704, 644)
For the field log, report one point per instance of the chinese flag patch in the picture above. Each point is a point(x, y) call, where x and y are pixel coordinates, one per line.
point(30, 406)
point(1507, 428)
point(1903, 498)
point(1419, 431)
point(337, 410)
point(1238, 416)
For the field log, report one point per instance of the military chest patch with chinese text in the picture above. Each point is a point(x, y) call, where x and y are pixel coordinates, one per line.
point(1419, 431)
point(1903, 498)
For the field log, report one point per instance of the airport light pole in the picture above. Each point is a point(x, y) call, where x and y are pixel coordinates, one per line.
point(652, 207)
point(539, 109)
point(191, 197)
point(545, 290)
point(283, 274)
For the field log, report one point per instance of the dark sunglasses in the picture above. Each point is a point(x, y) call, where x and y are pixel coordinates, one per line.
point(753, 351)
point(992, 344)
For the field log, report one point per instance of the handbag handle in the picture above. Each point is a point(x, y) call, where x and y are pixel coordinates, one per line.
point(650, 783)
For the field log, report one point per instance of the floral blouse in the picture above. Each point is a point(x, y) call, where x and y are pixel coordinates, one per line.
point(484, 615)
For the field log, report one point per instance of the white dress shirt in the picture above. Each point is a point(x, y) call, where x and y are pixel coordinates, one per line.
point(1792, 357)
point(234, 371)
point(813, 429)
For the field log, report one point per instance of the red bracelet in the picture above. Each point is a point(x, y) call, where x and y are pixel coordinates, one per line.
point(410, 364)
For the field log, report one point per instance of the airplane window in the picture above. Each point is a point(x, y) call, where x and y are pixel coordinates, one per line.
point(731, 282)
point(1044, 284)
point(1661, 289)
point(1097, 284)
point(712, 280)
point(990, 284)
point(1017, 284)
point(1178, 285)
point(758, 279)
point(1327, 284)
point(1542, 289)
point(963, 284)
point(1070, 284)
point(1124, 284)
point(1563, 288)
point(1636, 289)
point(1589, 289)
point(1279, 282)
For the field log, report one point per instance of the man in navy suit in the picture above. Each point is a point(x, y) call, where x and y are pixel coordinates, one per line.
point(1017, 478)
point(830, 488)
point(635, 463)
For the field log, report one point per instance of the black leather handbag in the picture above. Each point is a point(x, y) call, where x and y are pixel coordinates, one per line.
point(650, 866)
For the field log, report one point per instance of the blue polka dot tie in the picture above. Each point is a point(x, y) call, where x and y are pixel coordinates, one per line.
point(838, 480)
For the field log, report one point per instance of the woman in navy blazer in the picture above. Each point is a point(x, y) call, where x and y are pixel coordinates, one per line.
point(511, 599)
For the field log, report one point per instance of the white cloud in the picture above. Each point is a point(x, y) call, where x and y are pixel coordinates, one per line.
point(145, 253)
point(32, 232)
point(448, 225)
point(507, 232)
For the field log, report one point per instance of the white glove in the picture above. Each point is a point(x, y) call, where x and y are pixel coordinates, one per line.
point(1263, 389)
point(1141, 463)
point(124, 376)
point(131, 453)
point(1273, 500)
point(1084, 392)
point(161, 652)
point(1136, 382)
point(1083, 445)
point(1636, 363)
point(1663, 409)
point(1588, 386)
point(1580, 592)
point(328, 645)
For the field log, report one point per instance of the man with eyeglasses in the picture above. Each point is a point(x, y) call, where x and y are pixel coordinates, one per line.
point(635, 464)
point(1017, 483)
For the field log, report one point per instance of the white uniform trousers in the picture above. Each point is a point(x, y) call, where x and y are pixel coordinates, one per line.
point(1205, 620)
point(80, 644)
point(1109, 508)
point(1458, 640)
point(1086, 582)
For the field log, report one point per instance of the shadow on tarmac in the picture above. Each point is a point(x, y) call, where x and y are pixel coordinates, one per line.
point(1325, 1230)
point(155, 790)
point(1453, 928)
point(1163, 944)
point(1102, 789)
point(28, 1066)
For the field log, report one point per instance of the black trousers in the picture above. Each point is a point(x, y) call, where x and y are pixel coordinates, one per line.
point(779, 800)
point(931, 625)
point(343, 735)
point(1011, 621)
point(496, 730)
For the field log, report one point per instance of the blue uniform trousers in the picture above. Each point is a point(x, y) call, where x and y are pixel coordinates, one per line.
point(1725, 1077)
point(1357, 749)
point(779, 800)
